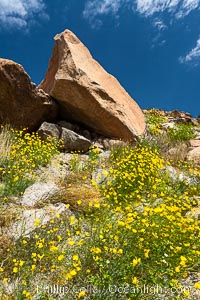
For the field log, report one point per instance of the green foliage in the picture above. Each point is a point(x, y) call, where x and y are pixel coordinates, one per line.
point(181, 132)
point(93, 160)
point(154, 120)
point(74, 163)
point(78, 165)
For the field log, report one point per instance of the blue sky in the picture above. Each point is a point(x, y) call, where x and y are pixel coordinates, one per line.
point(151, 46)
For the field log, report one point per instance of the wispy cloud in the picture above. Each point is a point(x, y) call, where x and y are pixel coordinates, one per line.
point(153, 9)
point(187, 7)
point(193, 56)
point(97, 8)
point(18, 14)
point(159, 24)
point(177, 8)
point(150, 7)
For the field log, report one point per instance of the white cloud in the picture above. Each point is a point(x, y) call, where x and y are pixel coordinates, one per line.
point(96, 7)
point(193, 56)
point(18, 14)
point(154, 9)
point(159, 24)
point(187, 7)
point(150, 7)
point(178, 8)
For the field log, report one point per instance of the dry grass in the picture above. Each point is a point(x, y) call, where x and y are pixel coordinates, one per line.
point(78, 191)
point(5, 243)
point(79, 197)
point(8, 215)
point(176, 153)
point(5, 142)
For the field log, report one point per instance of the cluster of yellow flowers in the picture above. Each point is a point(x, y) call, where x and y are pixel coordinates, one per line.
point(135, 172)
point(139, 234)
point(155, 119)
point(27, 152)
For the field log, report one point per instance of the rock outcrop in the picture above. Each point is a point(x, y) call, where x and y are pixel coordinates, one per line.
point(37, 192)
point(87, 94)
point(22, 104)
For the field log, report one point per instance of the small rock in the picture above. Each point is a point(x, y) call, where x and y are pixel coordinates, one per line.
point(49, 130)
point(98, 145)
point(168, 125)
point(30, 219)
point(194, 155)
point(37, 192)
point(194, 213)
point(172, 172)
point(105, 155)
point(99, 175)
point(194, 143)
point(57, 169)
point(74, 142)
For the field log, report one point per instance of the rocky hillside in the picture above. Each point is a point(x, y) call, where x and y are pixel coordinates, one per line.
point(98, 199)
point(106, 222)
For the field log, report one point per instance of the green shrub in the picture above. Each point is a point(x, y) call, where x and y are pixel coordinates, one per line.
point(181, 132)
point(154, 120)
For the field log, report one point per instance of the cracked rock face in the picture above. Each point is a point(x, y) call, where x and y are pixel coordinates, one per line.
point(87, 94)
point(22, 104)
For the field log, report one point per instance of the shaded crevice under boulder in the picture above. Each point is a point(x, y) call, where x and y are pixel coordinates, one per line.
point(22, 104)
point(87, 94)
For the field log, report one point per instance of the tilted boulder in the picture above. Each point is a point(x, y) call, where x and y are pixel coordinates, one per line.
point(22, 104)
point(89, 95)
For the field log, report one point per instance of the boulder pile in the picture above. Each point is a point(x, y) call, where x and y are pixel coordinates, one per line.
point(75, 89)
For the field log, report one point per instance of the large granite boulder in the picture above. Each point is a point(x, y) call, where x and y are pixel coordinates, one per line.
point(22, 104)
point(89, 95)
